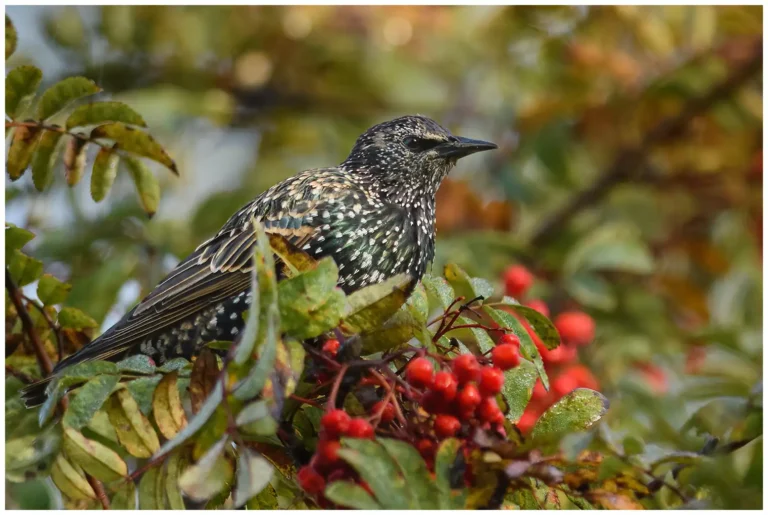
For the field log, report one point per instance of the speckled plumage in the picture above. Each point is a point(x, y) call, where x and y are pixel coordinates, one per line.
point(374, 214)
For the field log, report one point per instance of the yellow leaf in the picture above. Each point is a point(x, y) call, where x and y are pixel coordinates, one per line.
point(25, 140)
point(95, 458)
point(167, 408)
point(70, 480)
point(135, 141)
point(134, 431)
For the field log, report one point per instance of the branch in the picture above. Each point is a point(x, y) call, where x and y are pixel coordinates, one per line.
point(29, 327)
point(56, 128)
point(630, 159)
point(98, 488)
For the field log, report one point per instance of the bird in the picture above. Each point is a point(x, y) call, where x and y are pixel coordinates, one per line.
point(374, 214)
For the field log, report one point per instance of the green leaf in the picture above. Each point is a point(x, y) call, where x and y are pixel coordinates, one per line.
point(20, 86)
point(15, 239)
point(376, 468)
point(527, 348)
point(351, 495)
point(253, 475)
point(146, 185)
point(96, 459)
point(63, 93)
point(591, 290)
point(371, 306)
point(208, 476)
point(138, 364)
point(24, 269)
point(143, 389)
point(577, 411)
point(52, 291)
point(151, 494)
point(173, 468)
point(423, 492)
point(310, 304)
point(439, 288)
point(104, 173)
point(88, 369)
point(10, 38)
point(444, 462)
point(125, 497)
point(259, 372)
point(23, 145)
point(541, 324)
point(44, 160)
point(395, 332)
point(612, 247)
point(517, 389)
point(464, 285)
point(103, 112)
point(135, 141)
point(73, 318)
point(89, 399)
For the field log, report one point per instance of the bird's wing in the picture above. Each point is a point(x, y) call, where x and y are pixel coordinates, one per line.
point(218, 269)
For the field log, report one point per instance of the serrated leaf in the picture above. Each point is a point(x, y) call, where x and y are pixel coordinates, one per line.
point(440, 289)
point(464, 285)
point(295, 259)
point(351, 495)
point(23, 145)
point(371, 306)
point(527, 347)
point(134, 431)
point(542, 325)
point(142, 390)
point(518, 388)
point(20, 86)
point(124, 497)
point(167, 408)
point(376, 468)
point(15, 239)
point(74, 160)
point(103, 112)
point(138, 364)
point(10, 38)
point(70, 480)
point(63, 93)
point(24, 269)
point(253, 475)
point(95, 458)
point(172, 471)
point(575, 412)
point(151, 493)
point(146, 185)
point(52, 291)
point(423, 493)
point(209, 476)
point(44, 160)
point(396, 331)
point(104, 173)
point(135, 141)
point(73, 318)
point(89, 399)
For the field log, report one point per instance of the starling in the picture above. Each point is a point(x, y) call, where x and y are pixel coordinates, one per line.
point(374, 214)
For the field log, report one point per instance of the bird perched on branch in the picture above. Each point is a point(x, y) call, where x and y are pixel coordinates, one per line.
point(374, 214)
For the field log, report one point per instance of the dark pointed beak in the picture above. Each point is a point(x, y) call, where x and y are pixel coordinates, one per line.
point(462, 147)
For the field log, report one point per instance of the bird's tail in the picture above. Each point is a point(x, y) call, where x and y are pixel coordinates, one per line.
point(34, 394)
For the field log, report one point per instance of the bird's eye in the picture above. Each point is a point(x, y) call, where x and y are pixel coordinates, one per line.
point(419, 144)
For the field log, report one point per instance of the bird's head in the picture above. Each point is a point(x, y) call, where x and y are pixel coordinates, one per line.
point(410, 152)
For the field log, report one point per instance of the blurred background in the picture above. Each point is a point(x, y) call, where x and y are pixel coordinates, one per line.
point(628, 178)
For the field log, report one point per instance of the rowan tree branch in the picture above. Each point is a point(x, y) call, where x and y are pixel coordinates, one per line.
point(630, 159)
point(46, 366)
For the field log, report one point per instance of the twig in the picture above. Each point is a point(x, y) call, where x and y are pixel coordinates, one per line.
point(29, 327)
point(21, 376)
point(630, 159)
point(98, 488)
point(62, 130)
point(53, 325)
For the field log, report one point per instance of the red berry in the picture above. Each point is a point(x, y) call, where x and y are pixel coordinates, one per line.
point(469, 398)
point(527, 421)
point(583, 377)
point(517, 280)
point(335, 423)
point(433, 402)
point(327, 451)
point(419, 372)
point(466, 368)
point(446, 385)
point(360, 428)
point(575, 327)
point(426, 447)
point(560, 355)
point(505, 356)
point(489, 411)
point(387, 413)
point(331, 347)
point(539, 393)
point(655, 377)
point(509, 339)
point(564, 384)
point(446, 426)
point(539, 305)
point(491, 381)
point(309, 479)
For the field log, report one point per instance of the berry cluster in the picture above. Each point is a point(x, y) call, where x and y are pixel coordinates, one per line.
point(576, 328)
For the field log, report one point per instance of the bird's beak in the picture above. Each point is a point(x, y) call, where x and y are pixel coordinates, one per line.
point(463, 147)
